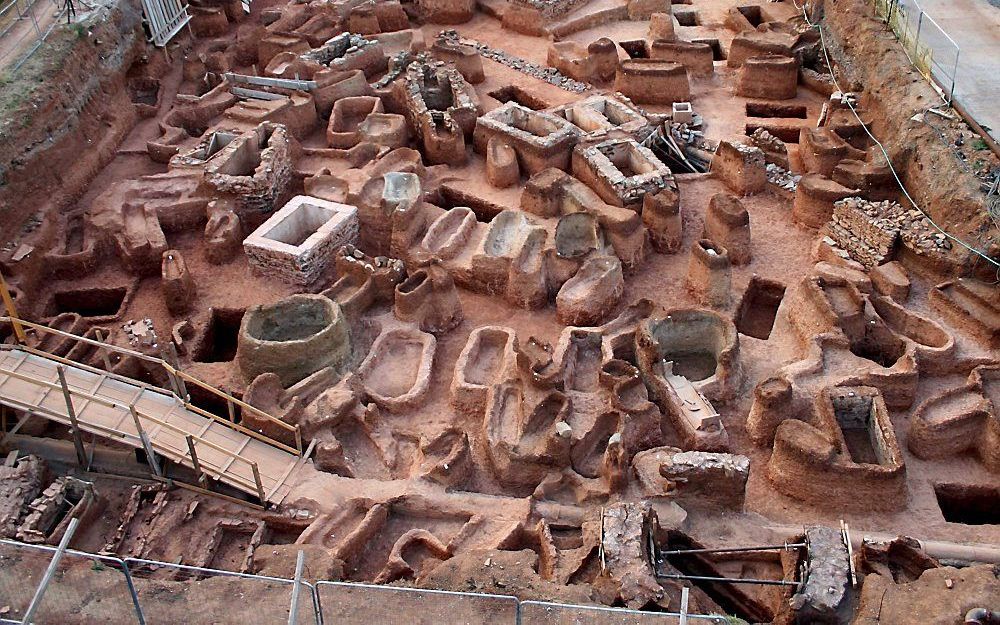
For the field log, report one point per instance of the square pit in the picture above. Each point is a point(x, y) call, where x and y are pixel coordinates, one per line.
point(298, 241)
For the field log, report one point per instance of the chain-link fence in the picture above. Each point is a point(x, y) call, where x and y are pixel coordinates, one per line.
point(41, 584)
point(24, 27)
point(931, 50)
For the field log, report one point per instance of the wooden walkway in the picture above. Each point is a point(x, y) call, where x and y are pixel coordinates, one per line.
point(103, 405)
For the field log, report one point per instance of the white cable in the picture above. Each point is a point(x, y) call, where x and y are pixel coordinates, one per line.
point(888, 160)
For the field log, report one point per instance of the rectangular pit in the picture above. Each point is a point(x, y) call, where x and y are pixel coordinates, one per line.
point(969, 504)
point(855, 413)
point(759, 307)
point(785, 132)
point(771, 109)
point(686, 17)
point(513, 93)
point(94, 303)
point(219, 341)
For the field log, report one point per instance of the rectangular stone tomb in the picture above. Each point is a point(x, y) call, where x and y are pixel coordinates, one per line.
point(540, 139)
point(620, 170)
point(298, 241)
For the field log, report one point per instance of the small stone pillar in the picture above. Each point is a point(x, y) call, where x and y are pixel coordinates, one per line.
point(223, 235)
point(741, 167)
point(710, 274)
point(604, 55)
point(661, 26)
point(502, 169)
point(728, 224)
point(772, 399)
point(662, 217)
point(429, 298)
point(177, 283)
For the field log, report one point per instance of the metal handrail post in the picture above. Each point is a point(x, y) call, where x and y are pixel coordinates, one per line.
point(81, 454)
point(293, 610)
point(36, 600)
point(146, 444)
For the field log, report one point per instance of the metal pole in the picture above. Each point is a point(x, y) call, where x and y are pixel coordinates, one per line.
point(920, 23)
point(685, 591)
point(31, 12)
point(729, 580)
point(146, 445)
point(733, 549)
point(140, 617)
point(954, 74)
point(293, 610)
point(29, 614)
point(81, 454)
point(194, 461)
point(8, 303)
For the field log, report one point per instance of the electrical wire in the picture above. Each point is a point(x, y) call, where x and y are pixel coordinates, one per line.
point(833, 75)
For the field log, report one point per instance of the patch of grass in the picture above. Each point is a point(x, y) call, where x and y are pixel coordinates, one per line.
point(980, 144)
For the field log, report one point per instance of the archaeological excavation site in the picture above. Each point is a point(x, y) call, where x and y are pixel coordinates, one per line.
point(497, 312)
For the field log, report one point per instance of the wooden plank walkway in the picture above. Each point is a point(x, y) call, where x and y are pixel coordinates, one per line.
point(101, 401)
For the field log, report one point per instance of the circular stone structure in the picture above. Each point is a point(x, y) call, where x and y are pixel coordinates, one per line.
point(292, 338)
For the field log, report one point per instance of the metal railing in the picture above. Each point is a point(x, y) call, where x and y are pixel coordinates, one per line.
point(178, 381)
point(930, 49)
point(70, 587)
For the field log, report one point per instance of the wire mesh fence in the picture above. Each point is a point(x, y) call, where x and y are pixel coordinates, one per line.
point(86, 588)
point(175, 593)
point(930, 49)
point(24, 27)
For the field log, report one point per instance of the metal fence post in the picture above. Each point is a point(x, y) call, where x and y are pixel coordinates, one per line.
point(684, 605)
point(954, 74)
point(293, 610)
point(140, 617)
point(36, 600)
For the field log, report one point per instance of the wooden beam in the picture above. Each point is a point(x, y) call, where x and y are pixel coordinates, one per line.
point(8, 303)
point(81, 454)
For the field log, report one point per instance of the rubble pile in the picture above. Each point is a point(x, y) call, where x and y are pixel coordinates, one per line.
point(548, 74)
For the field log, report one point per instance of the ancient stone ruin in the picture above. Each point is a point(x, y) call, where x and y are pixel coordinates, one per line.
point(582, 311)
